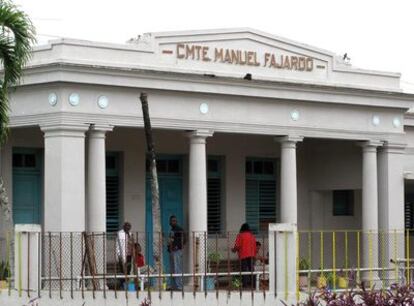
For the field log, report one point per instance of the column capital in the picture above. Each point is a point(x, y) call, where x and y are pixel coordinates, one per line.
point(99, 131)
point(370, 145)
point(289, 141)
point(199, 136)
point(64, 130)
point(289, 138)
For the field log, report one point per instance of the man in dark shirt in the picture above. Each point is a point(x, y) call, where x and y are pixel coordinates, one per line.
point(175, 248)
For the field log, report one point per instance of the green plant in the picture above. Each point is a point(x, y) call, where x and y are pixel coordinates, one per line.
point(236, 282)
point(4, 270)
point(304, 264)
point(213, 259)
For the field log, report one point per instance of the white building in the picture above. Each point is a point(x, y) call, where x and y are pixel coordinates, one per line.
point(292, 134)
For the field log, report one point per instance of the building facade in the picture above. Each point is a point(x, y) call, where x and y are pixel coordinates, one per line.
point(247, 127)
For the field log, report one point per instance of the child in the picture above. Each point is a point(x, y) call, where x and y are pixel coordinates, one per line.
point(139, 258)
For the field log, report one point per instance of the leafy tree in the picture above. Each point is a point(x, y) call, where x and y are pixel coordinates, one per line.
point(17, 35)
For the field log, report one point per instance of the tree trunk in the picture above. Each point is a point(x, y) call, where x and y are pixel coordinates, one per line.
point(156, 211)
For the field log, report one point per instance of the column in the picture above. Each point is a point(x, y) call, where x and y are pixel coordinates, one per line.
point(369, 186)
point(64, 177)
point(288, 179)
point(370, 236)
point(391, 186)
point(391, 200)
point(197, 198)
point(64, 199)
point(96, 193)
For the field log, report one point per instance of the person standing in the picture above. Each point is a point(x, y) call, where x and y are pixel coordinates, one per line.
point(245, 246)
point(124, 247)
point(175, 248)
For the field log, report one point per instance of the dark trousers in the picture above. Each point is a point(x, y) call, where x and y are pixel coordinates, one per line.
point(124, 268)
point(247, 266)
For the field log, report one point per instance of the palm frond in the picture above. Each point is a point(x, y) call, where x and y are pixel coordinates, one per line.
point(17, 35)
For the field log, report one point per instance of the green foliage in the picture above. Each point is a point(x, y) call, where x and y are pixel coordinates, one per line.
point(214, 258)
point(304, 264)
point(236, 282)
point(17, 35)
point(4, 270)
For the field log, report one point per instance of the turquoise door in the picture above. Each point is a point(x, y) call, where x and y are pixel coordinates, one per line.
point(171, 203)
point(26, 186)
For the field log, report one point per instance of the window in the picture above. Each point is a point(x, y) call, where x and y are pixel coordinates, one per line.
point(343, 203)
point(214, 195)
point(24, 160)
point(261, 204)
point(165, 166)
point(112, 192)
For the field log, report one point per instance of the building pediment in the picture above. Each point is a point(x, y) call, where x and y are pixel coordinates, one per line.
point(223, 53)
point(242, 51)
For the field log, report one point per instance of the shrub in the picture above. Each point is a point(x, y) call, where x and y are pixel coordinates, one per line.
point(396, 295)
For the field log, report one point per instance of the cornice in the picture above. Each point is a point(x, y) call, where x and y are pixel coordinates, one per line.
point(179, 80)
point(85, 119)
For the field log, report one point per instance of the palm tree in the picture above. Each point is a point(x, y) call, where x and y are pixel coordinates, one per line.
point(17, 34)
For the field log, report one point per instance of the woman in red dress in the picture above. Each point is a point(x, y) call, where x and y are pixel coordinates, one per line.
point(245, 246)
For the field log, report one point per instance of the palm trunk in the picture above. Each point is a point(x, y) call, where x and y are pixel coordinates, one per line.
point(156, 211)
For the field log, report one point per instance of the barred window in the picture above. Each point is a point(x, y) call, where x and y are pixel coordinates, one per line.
point(261, 191)
point(112, 192)
point(214, 195)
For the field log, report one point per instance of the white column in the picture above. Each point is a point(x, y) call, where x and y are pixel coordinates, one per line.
point(197, 197)
point(391, 199)
point(369, 186)
point(96, 193)
point(64, 177)
point(288, 179)
point(370, 236)
point(197, 181)
point(391, 186)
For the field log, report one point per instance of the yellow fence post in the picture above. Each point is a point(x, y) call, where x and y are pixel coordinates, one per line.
point(382, 248)
point(310, 259)
point(297, 265)
point(408, 257)
point(359, 256)
point(370, 258)
point(334, 259)
point(286, 265)
point(346, 255)
point(321, 238)
point(395, 255)
point(19, 262)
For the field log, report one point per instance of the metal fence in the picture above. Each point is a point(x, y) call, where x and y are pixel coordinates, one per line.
point(345, 259)
point(80, 262)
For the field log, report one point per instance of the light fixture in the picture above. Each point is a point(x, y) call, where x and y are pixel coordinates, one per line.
point(53, 99)
point(74, 99)
point(294, 115)
point(204, 108)
point(103, 102)
point(396, 122)
point(375, 120)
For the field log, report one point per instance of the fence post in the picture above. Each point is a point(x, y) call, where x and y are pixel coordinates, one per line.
point(27, 257)
point(283, 261)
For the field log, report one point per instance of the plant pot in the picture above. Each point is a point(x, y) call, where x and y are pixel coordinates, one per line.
point(209, 283)
point(321, 282)
point(342, 282)
point(303, 281)
point(4, 284)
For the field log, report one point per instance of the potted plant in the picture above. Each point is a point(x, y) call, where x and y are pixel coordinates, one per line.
point(321, 281)
point(304, 264)
point(213, 259)
point(342, 280)
point(4, 274)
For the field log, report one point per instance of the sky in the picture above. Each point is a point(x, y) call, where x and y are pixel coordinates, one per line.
point(376, 34)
